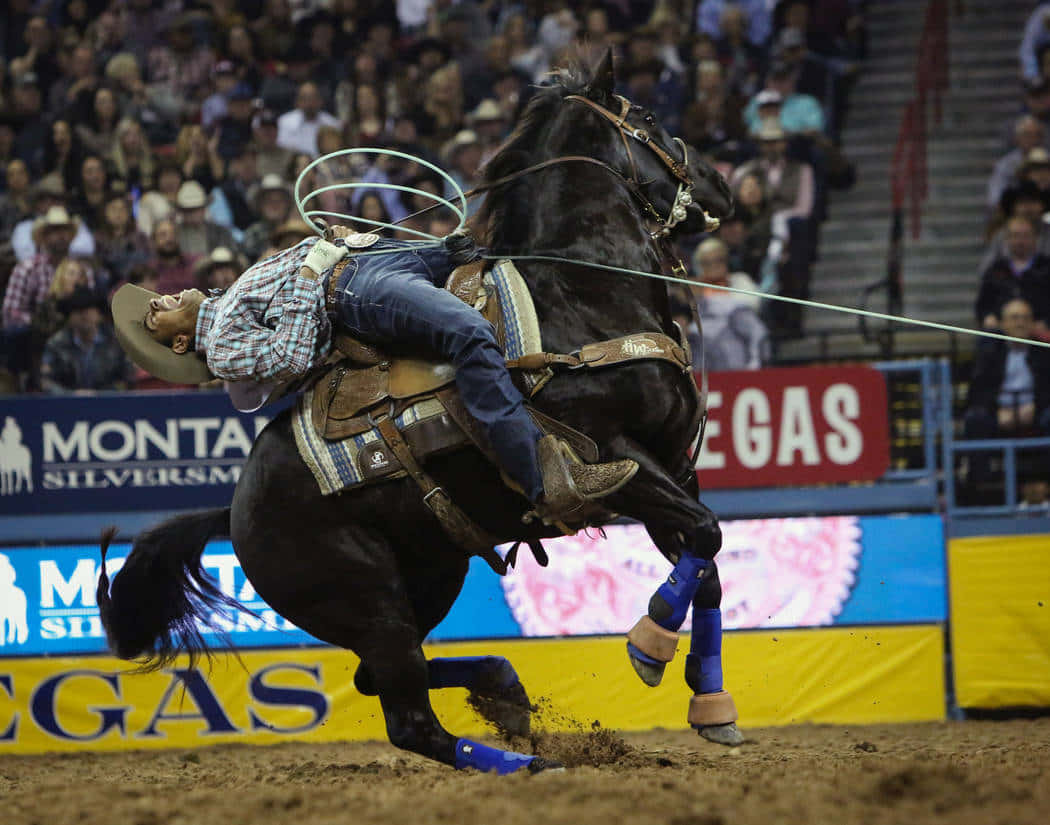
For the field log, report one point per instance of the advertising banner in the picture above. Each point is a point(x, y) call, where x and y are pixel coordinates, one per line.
point(122, 451)
point(791, 426)
point(1000, 591)
point(805, 572)
point(841, 675)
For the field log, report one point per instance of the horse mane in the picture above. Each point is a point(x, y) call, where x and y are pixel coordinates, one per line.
point(518, 151)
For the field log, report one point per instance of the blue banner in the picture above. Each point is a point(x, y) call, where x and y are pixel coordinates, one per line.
point(122, 451)
point(805, 572)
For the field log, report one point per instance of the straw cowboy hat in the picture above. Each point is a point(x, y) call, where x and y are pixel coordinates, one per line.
point(488, 109)
point(220, 256)
point(56, 216)
point(291, 232)
point(191, 195)
point(270, 183)
point(129, 305)
point(463, 138)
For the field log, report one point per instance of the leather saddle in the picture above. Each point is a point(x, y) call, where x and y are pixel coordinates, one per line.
point(362, 383)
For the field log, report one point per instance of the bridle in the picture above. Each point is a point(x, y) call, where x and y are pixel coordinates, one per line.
point(680, 169)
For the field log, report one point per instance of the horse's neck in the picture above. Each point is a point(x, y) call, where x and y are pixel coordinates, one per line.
point(595, 303)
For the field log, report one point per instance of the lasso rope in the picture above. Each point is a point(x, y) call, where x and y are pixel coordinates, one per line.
point(461, 212)
point(800, 301)
point(308, 216)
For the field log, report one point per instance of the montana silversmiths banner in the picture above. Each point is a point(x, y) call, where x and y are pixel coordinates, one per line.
point(807, 572)
point(122, 451)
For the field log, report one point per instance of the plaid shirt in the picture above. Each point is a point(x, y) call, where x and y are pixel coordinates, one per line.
point(271, 325)
point(27, 289)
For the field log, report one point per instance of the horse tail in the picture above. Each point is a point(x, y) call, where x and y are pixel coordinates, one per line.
point(162, 596)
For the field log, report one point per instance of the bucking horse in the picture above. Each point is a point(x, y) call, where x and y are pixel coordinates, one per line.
point(588, 177)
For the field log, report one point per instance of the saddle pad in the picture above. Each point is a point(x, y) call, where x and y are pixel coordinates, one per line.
point(520, 327)
point(339, 465)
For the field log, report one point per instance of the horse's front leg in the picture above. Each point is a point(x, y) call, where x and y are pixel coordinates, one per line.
point(687, 533)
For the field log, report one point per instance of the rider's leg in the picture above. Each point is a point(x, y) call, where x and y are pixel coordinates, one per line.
point(402, 305)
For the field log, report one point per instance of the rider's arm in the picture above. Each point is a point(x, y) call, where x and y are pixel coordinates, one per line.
point(242, 348)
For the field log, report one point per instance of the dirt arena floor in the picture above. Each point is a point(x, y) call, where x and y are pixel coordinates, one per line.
point(959, 773)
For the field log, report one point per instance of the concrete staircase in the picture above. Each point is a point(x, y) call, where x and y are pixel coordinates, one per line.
point(940, 268)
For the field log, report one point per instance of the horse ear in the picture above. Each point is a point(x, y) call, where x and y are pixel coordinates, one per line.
point(604, 82)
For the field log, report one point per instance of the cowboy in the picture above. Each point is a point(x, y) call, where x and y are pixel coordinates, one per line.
point(272, 327)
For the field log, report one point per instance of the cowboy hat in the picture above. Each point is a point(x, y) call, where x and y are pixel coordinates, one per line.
point(296, 229)
point(463, 138)
point(130, 304)
point(488, 109)
point(271, 182)
point(191, 195)
point(56, 216)
point(220, 256)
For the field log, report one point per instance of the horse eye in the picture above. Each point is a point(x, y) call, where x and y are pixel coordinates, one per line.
point(650, 119)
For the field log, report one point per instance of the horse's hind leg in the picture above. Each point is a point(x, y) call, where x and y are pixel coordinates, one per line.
point(496, 691)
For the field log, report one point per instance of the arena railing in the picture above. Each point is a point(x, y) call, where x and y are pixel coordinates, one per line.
point(1007, 448)
point(909, 172)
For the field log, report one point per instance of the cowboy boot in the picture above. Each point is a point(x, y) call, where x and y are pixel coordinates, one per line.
point(569, 484)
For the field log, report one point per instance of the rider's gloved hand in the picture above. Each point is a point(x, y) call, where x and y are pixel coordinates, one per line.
point(461, 248)
point(323, 256)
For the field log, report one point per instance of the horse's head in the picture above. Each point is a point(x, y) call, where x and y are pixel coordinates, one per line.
point(657, 160)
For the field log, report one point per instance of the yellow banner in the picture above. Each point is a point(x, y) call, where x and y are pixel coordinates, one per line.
point(1000, 616)
point(878, 674)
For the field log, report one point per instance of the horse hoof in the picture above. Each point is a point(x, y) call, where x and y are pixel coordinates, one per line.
point(728, 734)
point(650, 673)
point(541, 765)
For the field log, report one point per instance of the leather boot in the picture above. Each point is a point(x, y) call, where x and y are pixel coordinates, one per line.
point(569, 484)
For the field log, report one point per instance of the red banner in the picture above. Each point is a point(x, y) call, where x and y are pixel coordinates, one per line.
point(793, 426)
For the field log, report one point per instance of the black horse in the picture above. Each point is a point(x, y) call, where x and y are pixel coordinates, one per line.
point(373, 571)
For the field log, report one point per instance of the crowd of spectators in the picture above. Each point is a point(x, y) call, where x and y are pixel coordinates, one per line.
point(1010, 389)
point(156, 142)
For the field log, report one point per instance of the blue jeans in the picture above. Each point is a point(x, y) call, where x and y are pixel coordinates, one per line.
point(397, 298)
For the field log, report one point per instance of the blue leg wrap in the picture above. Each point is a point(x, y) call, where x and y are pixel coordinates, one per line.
point(471, 754)
point(671, 601)
point(471, 672)
point(703, 665)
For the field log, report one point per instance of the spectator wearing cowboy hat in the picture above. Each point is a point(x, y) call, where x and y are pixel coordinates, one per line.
point(272, 201)
point(84, 354)
point(219, 270)
point(462, 157)
point(789, 185)
point(30, 280)
point(48, 193)
point(489, 123)
point(287, 234)
point(197, 235)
